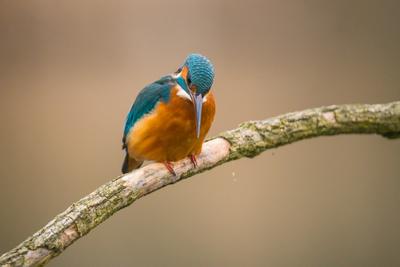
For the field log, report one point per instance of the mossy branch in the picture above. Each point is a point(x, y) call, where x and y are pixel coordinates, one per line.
point(248, 140)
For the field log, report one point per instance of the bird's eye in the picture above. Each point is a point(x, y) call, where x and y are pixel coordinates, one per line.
point(179, 70)
point(189, 81)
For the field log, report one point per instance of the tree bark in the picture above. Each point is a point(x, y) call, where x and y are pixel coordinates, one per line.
point(248, 140)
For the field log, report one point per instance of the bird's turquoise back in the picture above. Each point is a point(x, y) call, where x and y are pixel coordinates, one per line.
point(147, 100)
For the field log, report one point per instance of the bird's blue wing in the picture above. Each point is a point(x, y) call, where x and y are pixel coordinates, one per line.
point(146, 101)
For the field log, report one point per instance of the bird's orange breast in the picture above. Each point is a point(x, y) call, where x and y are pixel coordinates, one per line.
point(169, 132)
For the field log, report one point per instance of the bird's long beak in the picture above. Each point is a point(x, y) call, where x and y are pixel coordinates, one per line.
point(197, 100)
point(198, 106)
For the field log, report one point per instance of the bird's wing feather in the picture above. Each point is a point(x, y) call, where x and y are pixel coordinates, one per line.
point(146, 101)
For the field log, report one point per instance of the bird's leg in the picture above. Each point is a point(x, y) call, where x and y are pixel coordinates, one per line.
point(193, 160)
point(169, 167)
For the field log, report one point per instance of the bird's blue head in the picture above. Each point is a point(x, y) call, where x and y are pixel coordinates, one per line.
point(196, 77)
point(200, 73)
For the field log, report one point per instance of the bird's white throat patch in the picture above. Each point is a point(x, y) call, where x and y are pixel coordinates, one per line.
point(182, 93)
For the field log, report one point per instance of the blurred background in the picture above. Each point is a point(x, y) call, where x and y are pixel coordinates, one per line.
point(70, 70)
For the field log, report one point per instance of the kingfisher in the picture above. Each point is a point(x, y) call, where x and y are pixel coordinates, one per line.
point(171, 117)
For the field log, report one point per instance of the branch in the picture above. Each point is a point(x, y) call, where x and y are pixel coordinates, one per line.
point(248, 140)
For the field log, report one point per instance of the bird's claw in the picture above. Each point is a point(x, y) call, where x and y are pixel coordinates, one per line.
point(170, 168)
point(193, 159)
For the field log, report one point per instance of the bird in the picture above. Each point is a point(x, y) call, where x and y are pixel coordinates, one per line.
point(171, 117)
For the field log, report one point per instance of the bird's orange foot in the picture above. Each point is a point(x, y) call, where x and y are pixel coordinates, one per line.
point(170, 168)
point(193, 160)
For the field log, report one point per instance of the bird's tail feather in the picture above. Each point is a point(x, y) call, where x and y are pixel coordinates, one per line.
point(130, 164)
